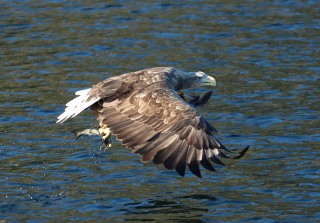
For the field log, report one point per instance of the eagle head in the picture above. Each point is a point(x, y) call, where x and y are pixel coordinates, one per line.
point(197, 79)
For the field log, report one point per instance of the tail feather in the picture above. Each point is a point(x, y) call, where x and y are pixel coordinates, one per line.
point(77, 105)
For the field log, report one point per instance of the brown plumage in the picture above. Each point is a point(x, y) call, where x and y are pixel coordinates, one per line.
point(144, 111)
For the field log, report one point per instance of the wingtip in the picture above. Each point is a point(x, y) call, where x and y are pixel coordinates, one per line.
point(242, 153)
point(195, 169)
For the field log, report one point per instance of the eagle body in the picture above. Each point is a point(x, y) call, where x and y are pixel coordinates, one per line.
point(145, 111)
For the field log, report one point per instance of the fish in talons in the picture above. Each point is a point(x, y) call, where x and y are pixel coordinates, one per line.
point(104, 132)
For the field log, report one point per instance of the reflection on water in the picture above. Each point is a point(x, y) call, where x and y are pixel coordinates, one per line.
point(265, 57)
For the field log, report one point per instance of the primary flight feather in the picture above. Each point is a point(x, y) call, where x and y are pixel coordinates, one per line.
point(147, 113)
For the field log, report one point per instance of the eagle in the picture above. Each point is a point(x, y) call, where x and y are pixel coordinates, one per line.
point(148, 113)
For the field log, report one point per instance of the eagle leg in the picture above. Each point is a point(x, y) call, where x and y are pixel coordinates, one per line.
point(105, 134)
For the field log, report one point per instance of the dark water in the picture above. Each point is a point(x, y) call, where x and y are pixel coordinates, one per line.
point(265, 57)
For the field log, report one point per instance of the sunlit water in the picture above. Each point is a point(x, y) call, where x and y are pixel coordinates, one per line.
point(265, 57)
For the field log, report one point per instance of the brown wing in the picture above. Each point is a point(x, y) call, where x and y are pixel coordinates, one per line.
point(153, 121)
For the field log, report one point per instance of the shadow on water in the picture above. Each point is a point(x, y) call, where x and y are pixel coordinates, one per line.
point(265, 57)
point(179, 209)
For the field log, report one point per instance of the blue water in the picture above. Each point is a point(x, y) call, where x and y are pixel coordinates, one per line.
point(265, 57)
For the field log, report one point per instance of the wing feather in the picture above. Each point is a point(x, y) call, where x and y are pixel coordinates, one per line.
point(162, 155)
point(171, 162)
point(136, 140)
point(194, 165)
point(206, 163)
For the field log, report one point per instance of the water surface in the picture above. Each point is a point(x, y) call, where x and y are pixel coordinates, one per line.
point(265, 57)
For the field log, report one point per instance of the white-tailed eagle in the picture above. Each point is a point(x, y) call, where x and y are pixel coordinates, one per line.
point(147, 113)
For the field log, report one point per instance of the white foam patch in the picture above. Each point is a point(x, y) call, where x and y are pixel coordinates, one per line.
point(77, 105)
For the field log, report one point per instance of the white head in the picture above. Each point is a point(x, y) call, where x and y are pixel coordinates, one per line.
point(197, 79)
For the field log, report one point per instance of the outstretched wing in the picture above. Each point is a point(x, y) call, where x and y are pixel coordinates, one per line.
point(153, 121)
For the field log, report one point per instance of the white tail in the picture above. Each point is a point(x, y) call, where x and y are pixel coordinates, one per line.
point(77, 105)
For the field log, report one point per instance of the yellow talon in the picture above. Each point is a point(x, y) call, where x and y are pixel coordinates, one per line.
point(105, 133)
